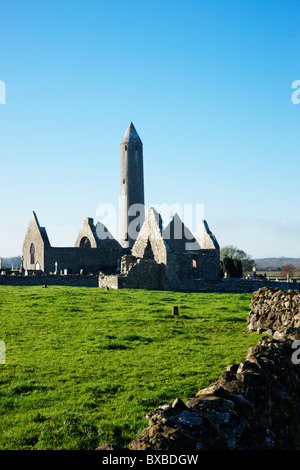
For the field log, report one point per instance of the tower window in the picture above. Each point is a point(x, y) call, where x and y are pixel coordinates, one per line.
point(123, 181)
point(136, 147)
point(126, 148)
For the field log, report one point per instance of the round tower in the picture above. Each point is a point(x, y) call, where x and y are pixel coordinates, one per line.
point(132, 210)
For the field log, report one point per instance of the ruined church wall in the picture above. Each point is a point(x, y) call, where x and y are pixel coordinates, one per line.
point(144, 275)
point(208, 264)
point(77, 259)
point(150, 233)
point(33, 236)
point(177, 268)
point(112, 282)
point(181, 267)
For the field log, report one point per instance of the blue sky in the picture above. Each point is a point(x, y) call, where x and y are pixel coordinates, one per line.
point(207, 86)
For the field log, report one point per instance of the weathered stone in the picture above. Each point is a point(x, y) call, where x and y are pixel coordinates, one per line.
point(131, 186)
point(210, 403)
point(272, 311)
point(89, 255)
point(160, 437)
point(166, 259)
point(114, 447)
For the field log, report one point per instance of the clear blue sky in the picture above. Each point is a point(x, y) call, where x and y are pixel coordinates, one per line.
point(207, 86)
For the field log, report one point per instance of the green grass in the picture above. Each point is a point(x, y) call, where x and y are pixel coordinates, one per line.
point(84, 366)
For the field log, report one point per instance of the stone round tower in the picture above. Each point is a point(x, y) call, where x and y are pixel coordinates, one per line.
point(132, 209)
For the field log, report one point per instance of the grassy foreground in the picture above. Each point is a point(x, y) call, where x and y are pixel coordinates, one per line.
point(84, 366)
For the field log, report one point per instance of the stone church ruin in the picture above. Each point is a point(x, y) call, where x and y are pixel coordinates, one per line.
point(156, 257)
point(89, 255)
point(158, 260)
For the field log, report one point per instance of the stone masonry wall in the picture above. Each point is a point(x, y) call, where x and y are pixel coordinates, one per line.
point(179, 270)
point(112, 282)
point(209, 264)
point(273, 311)
point(77, 259)
point(145, 274)
point(118, 282)
point(150, 237)
point(50, 280)
point(235, 285)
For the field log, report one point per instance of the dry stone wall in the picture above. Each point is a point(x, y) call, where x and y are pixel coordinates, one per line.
point(50, 280)
point(146, 280)
point(273, 311)
point(191, 285)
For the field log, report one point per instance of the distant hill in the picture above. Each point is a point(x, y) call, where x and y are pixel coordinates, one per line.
point(276, 262)
point(14, 261)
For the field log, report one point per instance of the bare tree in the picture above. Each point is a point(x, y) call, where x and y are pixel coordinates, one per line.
point(288, 270)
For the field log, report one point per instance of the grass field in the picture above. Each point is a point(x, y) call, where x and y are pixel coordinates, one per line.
point(84, 366)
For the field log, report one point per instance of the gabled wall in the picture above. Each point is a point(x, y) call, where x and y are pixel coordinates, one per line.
point(98, 255)
point(37, 236)
point(151, 232)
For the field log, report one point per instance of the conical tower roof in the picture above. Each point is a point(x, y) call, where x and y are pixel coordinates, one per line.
point(131, 135)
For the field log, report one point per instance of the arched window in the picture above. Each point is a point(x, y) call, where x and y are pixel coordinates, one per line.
point(32, 254)
point(85, 243)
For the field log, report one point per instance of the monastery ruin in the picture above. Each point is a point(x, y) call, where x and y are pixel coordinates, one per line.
point(151, 256)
